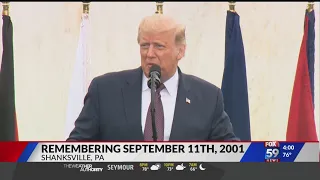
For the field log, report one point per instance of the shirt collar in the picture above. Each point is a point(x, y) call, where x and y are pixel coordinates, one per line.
point(171, 84)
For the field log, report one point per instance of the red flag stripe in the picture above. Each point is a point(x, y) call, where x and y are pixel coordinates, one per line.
point(301, 123)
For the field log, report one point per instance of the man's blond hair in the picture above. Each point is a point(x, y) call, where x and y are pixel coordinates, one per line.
point(161, 23)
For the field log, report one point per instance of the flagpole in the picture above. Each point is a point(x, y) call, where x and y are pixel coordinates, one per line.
point(232, 6)
point(159, 5)
point(85, 7)
point(310, 6)
point(5, 8)
point(85, 14)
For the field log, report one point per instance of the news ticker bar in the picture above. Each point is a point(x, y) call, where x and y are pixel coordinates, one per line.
point(270, 151)
point(215, 170)
point(142, 166)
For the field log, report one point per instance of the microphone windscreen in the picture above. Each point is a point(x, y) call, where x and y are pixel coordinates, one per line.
point(155, 68)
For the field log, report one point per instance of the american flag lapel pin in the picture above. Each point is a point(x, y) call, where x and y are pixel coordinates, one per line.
point(188, 101)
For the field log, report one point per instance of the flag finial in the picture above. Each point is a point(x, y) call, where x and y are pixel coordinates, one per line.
point(5, 8)
point(85, 7)
point(310, 6)
point(159, 5)
point(232, 6)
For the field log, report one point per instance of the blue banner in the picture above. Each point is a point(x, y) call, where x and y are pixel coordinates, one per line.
point(272, 151)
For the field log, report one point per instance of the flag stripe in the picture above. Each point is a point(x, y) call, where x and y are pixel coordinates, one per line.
point(78, 85)
point(234, 83)
point(8, 126)
point(311, 49)
point(301, 123)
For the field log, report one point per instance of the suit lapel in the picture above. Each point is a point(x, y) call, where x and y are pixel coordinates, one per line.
point(182, 111)
point(132, 102)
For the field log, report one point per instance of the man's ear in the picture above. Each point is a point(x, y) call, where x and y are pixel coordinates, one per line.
point(181, 51)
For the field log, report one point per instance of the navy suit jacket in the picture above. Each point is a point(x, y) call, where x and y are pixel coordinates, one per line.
point(112, 110)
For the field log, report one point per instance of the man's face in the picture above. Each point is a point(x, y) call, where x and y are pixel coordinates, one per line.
point(160, 49)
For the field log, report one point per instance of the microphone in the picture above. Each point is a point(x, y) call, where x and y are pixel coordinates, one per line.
point(154, 75)
point(154, 83)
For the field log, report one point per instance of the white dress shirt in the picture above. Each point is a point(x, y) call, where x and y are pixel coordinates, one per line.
point(168, 98)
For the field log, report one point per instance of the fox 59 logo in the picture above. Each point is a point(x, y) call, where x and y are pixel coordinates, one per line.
point(272, 149)
point(272, 153)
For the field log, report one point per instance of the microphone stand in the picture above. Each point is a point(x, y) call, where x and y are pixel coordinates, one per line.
point(153, 91)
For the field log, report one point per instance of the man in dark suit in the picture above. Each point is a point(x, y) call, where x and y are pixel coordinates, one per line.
point(187, 108)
